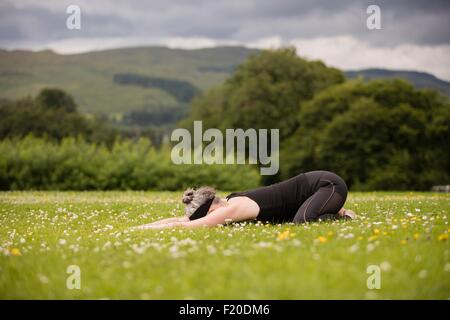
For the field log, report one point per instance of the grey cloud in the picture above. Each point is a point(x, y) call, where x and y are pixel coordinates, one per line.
point(36, 24)
point(414, 21)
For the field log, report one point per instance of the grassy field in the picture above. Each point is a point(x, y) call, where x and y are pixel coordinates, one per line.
point(43, 233)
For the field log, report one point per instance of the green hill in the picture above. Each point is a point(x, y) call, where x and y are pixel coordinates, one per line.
point(144, 83)
point(118, 81)
point(418, 79)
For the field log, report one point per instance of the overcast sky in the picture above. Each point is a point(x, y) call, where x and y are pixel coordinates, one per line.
point(415, 35)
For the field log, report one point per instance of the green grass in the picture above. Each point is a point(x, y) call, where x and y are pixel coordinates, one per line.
point(403, 233)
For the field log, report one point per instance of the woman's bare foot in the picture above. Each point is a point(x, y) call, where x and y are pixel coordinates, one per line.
point(346, 213)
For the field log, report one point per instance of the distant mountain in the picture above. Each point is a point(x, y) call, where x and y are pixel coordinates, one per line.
point(120, 81)
point(418, 79)
point(139, 83)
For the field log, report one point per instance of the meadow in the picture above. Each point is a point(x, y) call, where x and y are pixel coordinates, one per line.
point(403, 234)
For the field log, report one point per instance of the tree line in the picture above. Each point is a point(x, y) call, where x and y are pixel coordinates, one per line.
point(381, 134)
point(378, 135)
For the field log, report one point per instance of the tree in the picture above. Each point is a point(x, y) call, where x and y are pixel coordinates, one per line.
point(264, 92)
point(56, 99)
point(378, 135)
point(52, 113)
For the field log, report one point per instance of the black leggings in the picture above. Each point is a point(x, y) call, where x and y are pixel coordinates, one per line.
point(329, 197)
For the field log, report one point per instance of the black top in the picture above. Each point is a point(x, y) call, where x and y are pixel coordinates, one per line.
point(279, 202)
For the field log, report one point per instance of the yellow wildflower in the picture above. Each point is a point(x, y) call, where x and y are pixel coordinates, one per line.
point(322, 239)
point(283, 235)
point(443, 237)
point(15, 252)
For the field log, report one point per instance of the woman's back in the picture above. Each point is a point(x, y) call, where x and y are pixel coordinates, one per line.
point(280, 201)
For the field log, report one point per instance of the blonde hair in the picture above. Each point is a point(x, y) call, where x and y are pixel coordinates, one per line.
point(194, 198)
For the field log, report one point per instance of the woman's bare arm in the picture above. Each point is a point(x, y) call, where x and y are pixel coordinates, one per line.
point(176, 219)
point(163, 221)
point(220, 216)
